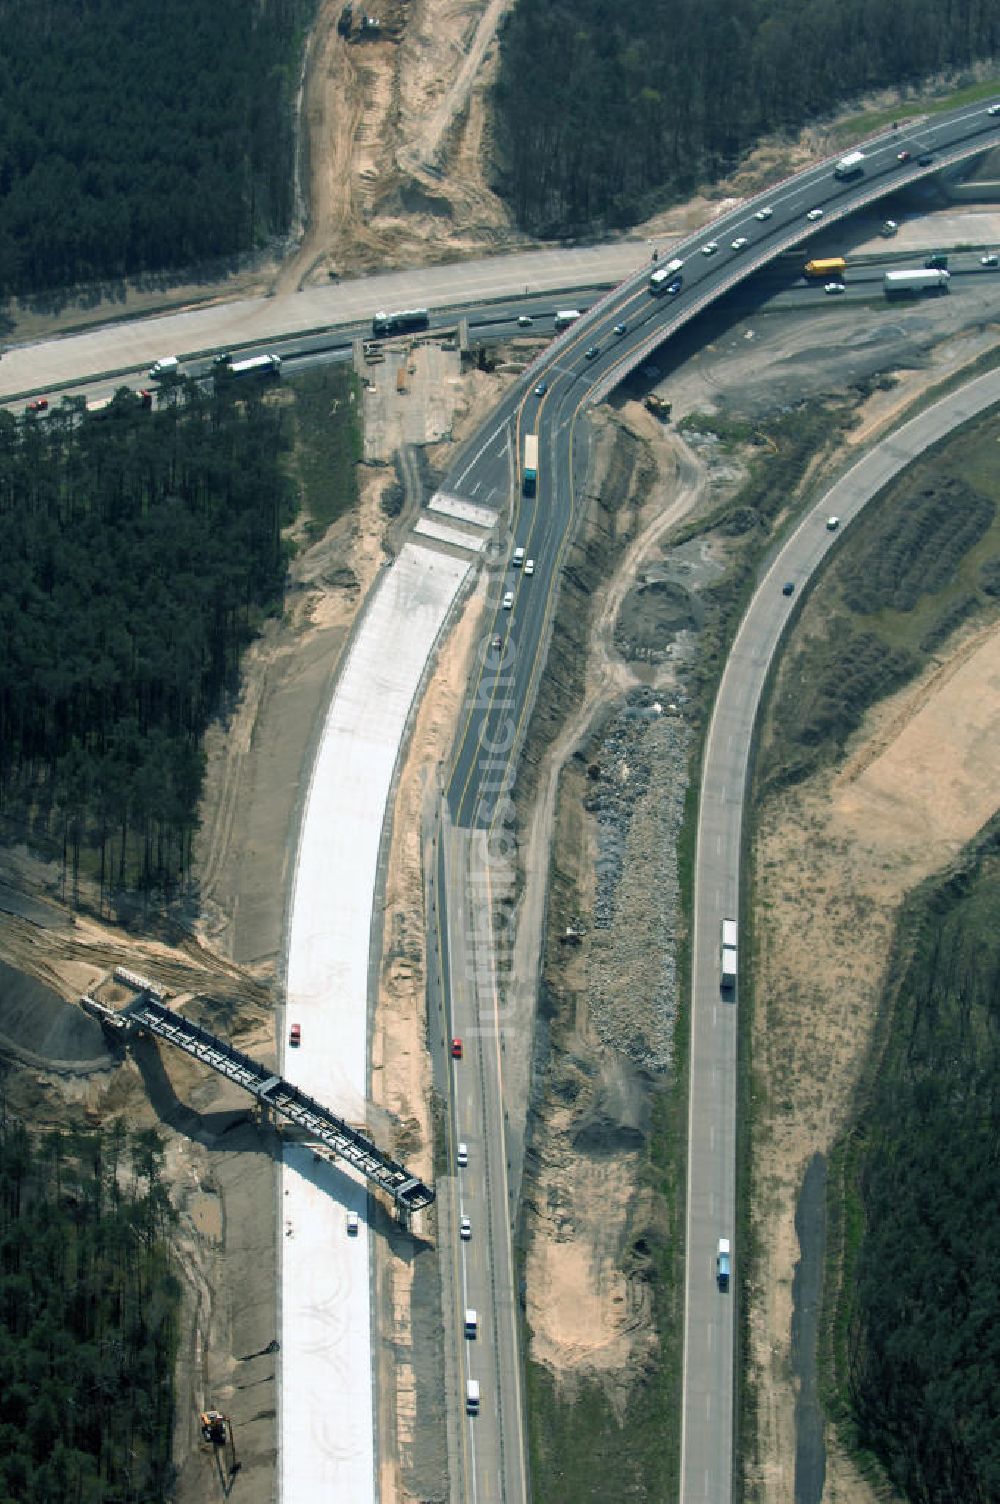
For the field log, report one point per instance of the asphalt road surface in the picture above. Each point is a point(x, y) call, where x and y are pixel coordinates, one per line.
point(710, 1315)
point(619, 333)
point(580, 368)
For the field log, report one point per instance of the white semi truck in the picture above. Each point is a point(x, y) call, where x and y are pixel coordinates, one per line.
point(907, 284)
point(264, 367)
point(728, 964)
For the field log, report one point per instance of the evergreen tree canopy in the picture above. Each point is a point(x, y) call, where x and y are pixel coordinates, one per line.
point(607, 110)
point(135, 137)
point(138, 551)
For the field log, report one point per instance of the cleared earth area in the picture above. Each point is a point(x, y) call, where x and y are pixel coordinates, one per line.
point(604, 789)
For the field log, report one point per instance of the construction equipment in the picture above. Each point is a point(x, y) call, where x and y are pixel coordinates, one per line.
point(213, 1427)
point(217, 1429)
point(658, 406)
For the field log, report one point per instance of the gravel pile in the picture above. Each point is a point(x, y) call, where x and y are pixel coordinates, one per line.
point(639, 777)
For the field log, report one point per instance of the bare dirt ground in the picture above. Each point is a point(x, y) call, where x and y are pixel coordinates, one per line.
point(393, 167)
point(394, 174)
point(833, 861)
point(589, 1310)
point(396, 169)
point(839, 879)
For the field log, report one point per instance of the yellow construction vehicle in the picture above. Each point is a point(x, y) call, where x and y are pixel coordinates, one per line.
point(213, 1427)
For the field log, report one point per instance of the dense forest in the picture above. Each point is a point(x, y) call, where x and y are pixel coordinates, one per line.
point(135, 137)
point(138, 552)
point(920, 1333)
point(606, 111)
point(88, 1319)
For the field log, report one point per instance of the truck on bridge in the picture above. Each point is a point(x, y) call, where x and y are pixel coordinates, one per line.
point(406, 321)
point(530, 463)
point(850, 166)
point(908, 284)
point(263, 367)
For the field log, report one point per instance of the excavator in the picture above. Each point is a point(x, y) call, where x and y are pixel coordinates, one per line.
point(217, 1429)
point(213, 1427)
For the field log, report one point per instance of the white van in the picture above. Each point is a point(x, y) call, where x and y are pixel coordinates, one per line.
point(472, 1397)
point(462, 1155)
point(471, 1324)
point(518, 558)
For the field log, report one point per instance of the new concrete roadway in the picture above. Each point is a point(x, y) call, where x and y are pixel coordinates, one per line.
point(579, 369)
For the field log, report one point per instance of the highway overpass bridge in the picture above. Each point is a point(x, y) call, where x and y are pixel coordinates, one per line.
point(149, 1013)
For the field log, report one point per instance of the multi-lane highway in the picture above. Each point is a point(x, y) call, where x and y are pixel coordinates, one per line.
point(617, 334)
point(581, 367)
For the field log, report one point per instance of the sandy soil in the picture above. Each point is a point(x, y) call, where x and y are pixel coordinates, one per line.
point(394, 175)
point(394, 132)
point(393, 167)
point(833, 860)
point(588, 1304)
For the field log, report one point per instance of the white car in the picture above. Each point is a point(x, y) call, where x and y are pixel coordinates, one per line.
point(523, 321)
point(710, 247)
point(764, 213)
point(834, 287)
point(508, 600)
point(815, 214)
point(529, 566)
point(992, 259)
point(462, 1156)
point(740, 242)
point(465, 1229)
point(889, 228)
point(994, 109)
point(352, 1224)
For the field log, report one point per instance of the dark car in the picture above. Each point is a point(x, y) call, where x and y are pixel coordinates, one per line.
point(541, 389)
point(592, 352)
point(937, 263)
point(788, 588)
point(295, 1036)
point(39, 405)
point(674, 288)
point(926, 159)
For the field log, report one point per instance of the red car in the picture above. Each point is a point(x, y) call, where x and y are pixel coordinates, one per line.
point(902, 156)
point(295, 1037)
point(456, 1049)
point(40, 405)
